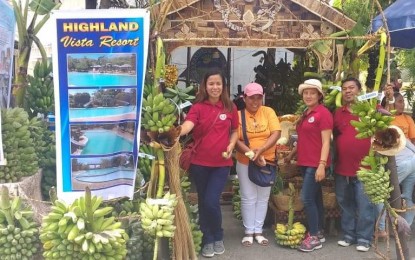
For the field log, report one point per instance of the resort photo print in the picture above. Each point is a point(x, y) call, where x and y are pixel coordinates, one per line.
point(102, 69)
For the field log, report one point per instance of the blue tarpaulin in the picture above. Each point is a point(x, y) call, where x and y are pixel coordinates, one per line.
point(400, 17)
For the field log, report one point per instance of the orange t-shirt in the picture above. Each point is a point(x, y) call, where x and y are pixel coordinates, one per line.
point(406, 124)
point(258, 130)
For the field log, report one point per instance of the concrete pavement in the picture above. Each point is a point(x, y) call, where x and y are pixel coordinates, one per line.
point(236, 251)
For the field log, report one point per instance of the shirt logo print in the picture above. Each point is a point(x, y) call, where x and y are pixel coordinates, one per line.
point(311, 119)
point(222, 117)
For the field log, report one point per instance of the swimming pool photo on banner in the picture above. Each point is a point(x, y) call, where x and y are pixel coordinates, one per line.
point(102, 138)
point(101, 69)
point(102, 104)
point(102, 172)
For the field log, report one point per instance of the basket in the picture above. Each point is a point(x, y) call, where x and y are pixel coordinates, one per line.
point(288, 170)
point(281, 201)
point(329, 200)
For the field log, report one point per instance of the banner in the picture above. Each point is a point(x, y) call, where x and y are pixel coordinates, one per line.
point(99, 62)
point(7, 24)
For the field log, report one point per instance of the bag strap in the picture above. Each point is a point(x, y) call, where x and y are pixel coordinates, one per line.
point(246, 140)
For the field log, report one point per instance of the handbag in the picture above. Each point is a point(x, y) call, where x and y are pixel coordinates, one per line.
point(263, 176)
point(190, 149)
point(186, 156)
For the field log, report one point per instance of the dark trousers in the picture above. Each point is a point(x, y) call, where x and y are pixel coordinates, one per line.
point(312, 198)
point(210, 182)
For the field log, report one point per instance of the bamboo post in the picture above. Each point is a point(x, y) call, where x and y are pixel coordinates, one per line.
point(402, 249)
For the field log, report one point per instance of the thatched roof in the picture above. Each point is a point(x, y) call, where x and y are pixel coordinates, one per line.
point(246, 23)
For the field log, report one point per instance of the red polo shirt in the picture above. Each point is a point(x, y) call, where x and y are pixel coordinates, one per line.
point(209, 151)
point(349, 150)
point(309, 136)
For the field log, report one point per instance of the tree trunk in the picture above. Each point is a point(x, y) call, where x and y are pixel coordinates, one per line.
point(396, 203)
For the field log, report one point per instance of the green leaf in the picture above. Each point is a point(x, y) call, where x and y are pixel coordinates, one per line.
point(17, 215)
point(42, 7)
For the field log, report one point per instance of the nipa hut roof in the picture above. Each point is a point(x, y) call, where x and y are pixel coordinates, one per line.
point(245, 23)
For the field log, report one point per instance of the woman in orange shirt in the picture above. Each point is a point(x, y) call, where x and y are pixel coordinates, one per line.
point(263, 130)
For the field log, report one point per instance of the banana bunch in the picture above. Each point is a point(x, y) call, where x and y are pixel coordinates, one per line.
point(370, 119)
point(179, 95)
point(185, 184)
point(157, 220)
point(39, 94)
point(18, 145)
point(82, 230)
point(196, 233)
point(44, 143)
point(375, 179)
point(171, 75)
point(289, 237)
point(158, 113)
point(333, 97)
point(144, 163)
point(18, 231)
point(140, 245)
point(236, 200)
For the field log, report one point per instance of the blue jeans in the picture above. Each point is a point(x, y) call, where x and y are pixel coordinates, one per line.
point(358, 213)
point(210, 182)
point(312, 198)
point(406, 177)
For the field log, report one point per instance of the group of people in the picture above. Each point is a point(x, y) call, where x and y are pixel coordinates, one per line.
point(211, 163)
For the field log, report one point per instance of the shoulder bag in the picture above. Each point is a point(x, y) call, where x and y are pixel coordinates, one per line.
point(263, 176)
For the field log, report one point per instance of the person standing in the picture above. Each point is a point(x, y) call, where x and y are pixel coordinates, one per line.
point(314, 131)
point(262, 130)
point(358, 213)
point(405, 159)
point(214, 120)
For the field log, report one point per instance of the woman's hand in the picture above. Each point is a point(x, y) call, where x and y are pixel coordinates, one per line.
point(260, 161)
point(257, 152)
point(229, 151)
point(389, 92)
point(320, 173)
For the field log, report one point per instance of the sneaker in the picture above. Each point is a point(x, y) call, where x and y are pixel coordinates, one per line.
point(362, 247)
point(321, 237)
point(345, 242)
point(218, 247)
point(208, 251)
point(310, 243)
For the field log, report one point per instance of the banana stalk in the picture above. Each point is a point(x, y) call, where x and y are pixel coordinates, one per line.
point(88, 207)
point(291, 206)
point(5, 205)
point(382, 51)
point(162, 173)
point(160, 61)
point(153, 179)
point(27, 36)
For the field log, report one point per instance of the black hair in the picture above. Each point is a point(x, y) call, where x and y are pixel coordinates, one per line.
point(355, 80)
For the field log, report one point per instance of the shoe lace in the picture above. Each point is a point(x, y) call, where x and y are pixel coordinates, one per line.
point(307, 239)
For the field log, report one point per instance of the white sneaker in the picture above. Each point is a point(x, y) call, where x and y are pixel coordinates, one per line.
point(362, 247)
point(344, 242)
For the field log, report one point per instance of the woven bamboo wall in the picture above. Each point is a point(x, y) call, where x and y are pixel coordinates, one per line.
point(238, 23)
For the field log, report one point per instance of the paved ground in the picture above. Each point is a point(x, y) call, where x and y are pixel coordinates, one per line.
point(235, 250)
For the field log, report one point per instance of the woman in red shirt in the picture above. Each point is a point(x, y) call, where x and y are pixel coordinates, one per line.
point(314, 132)
point(214, 120)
